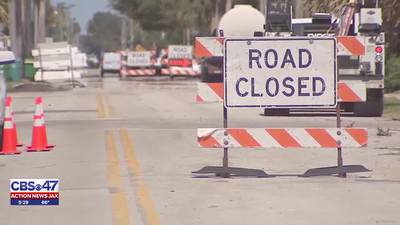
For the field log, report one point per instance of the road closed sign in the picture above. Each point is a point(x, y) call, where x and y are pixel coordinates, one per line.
point(180, 52)
point(280, 73)
point(139, 59)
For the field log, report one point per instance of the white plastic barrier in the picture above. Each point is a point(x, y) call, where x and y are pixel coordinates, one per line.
point(58, 61)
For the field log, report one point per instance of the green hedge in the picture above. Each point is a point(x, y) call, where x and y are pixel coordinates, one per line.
point(392, 73)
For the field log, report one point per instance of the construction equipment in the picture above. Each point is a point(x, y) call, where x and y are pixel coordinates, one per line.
point(242, 20)
point(360, 44)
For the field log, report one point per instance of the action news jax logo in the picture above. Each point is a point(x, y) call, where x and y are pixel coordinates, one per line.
point(34, 191)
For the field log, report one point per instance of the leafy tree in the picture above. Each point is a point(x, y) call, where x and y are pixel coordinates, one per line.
point(180, 20)
point(59, 22)
point(391, 17)
point(3, 11)
point(327, 6)
point(151, 14)
point(89, 46)
point(392, 79)
point(104, 29)
point(391, 20)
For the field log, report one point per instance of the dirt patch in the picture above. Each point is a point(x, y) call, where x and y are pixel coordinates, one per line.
point(44, 86)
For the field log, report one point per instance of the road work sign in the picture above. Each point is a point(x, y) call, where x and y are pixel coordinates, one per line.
point(139, 59)
point(280, 73)
point(180, 52)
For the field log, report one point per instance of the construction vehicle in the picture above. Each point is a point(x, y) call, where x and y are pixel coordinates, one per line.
point(242, 20)
point(359, 28)
point(361, 59)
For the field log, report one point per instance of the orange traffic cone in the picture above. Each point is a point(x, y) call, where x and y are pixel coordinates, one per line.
point(9, 146)
point(39, 134)
point(9, 98)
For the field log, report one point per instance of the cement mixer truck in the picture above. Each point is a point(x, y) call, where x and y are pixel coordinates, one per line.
point(358, 30)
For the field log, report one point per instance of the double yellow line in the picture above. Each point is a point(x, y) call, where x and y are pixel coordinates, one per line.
point(119, 199)
point(142, 192)
point(104, 108)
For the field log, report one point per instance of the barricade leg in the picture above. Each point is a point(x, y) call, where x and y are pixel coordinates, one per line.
point(225, 171)
point(340, 169)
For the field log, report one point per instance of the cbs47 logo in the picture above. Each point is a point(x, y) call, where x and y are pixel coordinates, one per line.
point(49, 185)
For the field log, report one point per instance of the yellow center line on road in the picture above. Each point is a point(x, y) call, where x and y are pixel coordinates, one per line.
point(143, 195)
point(104, 107)
point(101, 111)
point(109, 106)
point(119, 200)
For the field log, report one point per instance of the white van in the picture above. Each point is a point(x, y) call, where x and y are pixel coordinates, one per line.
point(112, 63)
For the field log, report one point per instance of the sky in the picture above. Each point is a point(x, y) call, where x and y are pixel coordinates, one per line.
point(85, 9)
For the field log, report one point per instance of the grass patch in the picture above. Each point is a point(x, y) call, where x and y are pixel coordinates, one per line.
point(392, 107)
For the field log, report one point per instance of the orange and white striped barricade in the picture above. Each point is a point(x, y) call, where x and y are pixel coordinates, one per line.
point(350, 46)
point(282, 137)
point(295, 78)
point(184, 71)
point(137, 63)
point(213, 46)
point(208, 46)
point(180, 61)
point(349, 91)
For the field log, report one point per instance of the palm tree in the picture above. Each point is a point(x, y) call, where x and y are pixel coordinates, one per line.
point(328, 6)
point(3, 11)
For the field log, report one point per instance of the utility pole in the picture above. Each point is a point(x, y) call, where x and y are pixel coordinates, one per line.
point(17, 11)
point(15, 27)
point(29, 26)
point(123, 33)
point(263, 6)
point(131, 34)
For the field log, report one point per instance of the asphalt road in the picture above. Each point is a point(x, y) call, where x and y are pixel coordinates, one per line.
point(125, 151)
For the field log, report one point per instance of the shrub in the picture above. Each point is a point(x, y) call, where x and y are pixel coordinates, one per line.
point(392, 73)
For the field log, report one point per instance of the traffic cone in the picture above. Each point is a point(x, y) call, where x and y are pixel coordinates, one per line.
point(9, 145)
point(9, 98)
point(39, 134)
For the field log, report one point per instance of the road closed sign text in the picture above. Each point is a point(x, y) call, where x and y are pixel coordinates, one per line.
point(281, 73)
point(139, 59)
point(180, 52)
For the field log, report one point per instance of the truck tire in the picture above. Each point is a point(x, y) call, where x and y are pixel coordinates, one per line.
point(276, 112)
point(373, 107)
point(347, 106)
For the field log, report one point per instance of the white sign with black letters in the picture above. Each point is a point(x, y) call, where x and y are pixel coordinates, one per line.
point(180, 52)
point(139, 59)
point(280, 72)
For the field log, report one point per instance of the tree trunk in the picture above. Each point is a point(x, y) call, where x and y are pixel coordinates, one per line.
point(262, 4)
point(40, 21)
point(220, 7)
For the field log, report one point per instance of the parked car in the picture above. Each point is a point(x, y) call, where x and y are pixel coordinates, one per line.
point(92, 61)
